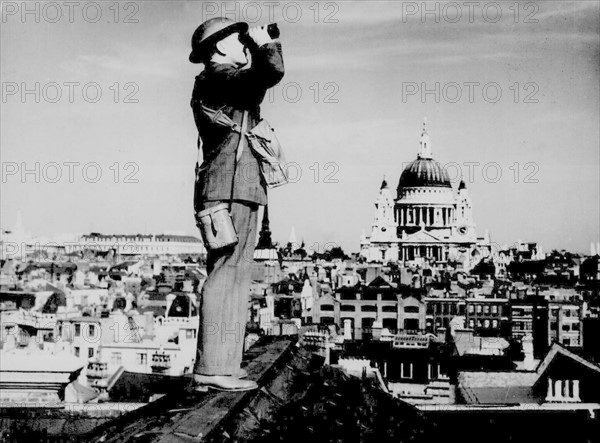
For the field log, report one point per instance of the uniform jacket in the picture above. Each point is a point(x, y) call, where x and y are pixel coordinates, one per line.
point(233, 90)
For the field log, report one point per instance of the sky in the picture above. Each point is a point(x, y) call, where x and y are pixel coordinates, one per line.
point(510, 93)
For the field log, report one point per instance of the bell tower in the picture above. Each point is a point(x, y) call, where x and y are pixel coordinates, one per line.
point(384, 225)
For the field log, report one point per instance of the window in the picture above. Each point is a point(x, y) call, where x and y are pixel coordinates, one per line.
point(77, 329)
point(411, 309)
point(388, 309)
point(411, 324)
point(348, 308)
point(90, 352)
point(389, 296)
point(190, 333)
point(494, 324)
point(326, 307)
point(92, 331)
point(369, 295)
point(367, 323)
point(326, 320)
point(494, 309)
point(115, 358)
point(486, 323)
point(406, 370)
point(575, 326)
point(471, 323)
point(471, 309)
point(76, 351)
point(141, 358)
point(371, 308)
point(478, 309)
point(566, 328)
point(486, 309)
point(389, 323)
point(554, 326)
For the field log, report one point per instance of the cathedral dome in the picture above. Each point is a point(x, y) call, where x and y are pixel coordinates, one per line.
point(424, 172)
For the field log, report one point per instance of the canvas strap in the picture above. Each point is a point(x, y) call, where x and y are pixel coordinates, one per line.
point(240, 148)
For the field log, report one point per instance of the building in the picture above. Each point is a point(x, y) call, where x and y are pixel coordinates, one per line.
point(141, 244)
point(529, 318)
point(441, 310)
point(488, 316)
point(426, 220)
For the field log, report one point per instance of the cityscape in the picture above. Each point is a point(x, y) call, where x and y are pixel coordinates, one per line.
point(424, 327)
point(438, 315)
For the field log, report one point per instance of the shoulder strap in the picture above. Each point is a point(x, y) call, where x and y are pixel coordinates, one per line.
point(240, 148)
point(219, 118)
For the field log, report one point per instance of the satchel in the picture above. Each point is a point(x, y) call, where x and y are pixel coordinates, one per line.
point(262, 141)
point(266, 146)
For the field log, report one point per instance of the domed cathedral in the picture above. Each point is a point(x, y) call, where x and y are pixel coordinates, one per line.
point(428, 220)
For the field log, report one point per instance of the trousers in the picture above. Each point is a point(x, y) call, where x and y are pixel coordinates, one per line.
point(225, 296)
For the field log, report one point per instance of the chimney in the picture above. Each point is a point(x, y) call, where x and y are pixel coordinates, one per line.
point(528, 361)
point(148, 325)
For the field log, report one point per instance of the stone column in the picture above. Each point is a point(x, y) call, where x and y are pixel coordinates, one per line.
point(558, 390)
point(549, 396)
point(576, 390)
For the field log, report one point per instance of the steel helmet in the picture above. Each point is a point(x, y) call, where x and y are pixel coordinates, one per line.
point(210, 32)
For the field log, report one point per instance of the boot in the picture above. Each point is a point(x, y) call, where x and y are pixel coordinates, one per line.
point(223, 383)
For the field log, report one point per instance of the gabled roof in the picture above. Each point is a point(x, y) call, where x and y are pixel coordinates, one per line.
point(327, 298)
point(557, 349)
point(379, 282)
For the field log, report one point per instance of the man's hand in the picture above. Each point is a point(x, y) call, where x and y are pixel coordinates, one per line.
point(260, 35)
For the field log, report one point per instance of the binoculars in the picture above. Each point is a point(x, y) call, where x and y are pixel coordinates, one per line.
point(272, 30)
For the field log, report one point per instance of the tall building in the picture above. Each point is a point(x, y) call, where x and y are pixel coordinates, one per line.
point(427, 220)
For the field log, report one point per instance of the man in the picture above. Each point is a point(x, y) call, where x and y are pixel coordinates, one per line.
point(232, 83)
